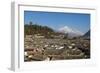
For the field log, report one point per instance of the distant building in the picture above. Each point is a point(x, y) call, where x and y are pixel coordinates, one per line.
point(59, 36)
point(38, 36)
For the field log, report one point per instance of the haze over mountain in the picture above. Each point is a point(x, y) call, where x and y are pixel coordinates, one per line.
point(70, 31)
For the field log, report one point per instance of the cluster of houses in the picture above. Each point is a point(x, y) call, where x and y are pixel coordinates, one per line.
point(38, 48)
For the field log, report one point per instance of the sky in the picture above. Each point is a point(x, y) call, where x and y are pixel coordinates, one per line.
point(57, 20)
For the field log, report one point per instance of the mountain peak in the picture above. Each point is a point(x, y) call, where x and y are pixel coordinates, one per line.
point(70, 31)
point(87, 34)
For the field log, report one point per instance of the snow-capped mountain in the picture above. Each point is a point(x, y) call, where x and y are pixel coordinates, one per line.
point(71, 32)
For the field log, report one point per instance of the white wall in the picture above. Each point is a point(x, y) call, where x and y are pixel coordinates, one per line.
point(5, 40)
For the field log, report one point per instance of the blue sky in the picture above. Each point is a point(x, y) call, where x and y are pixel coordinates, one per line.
point(57, 20)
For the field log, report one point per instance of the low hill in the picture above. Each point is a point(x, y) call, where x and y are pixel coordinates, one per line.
point(31, 29)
